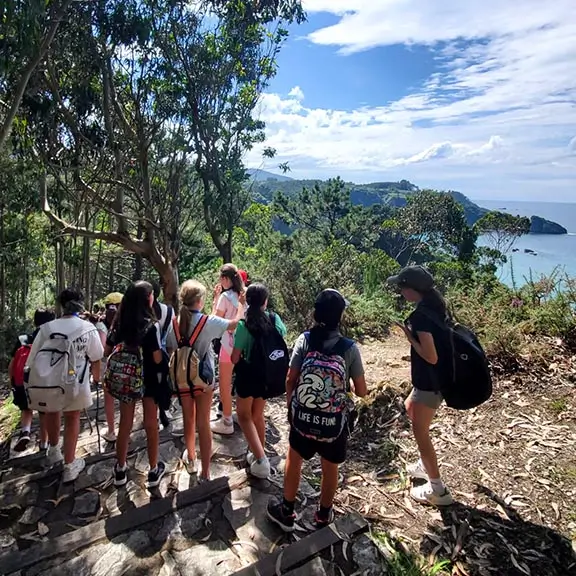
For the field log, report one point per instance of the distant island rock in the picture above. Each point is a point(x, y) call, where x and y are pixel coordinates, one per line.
point(542, 226)
point(265, 185)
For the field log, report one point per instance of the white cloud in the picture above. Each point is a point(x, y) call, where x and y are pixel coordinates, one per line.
point(297, 93)
point(496, 115)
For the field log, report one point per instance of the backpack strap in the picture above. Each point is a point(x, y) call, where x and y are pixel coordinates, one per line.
point(340, 347)
point(169, 316)
point(198, 329)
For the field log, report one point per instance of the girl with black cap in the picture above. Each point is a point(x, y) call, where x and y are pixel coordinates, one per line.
point(431, 361)
point(318, 394)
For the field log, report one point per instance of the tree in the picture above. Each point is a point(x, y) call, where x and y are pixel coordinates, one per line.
point(502, 230)
point(27, 30)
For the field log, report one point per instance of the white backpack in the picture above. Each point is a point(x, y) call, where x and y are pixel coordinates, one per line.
point(53, 381)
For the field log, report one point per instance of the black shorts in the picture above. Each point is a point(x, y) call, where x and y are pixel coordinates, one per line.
point(20, 398)
point(334, 452)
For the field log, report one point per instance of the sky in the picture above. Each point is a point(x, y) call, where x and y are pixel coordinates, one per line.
point(471, 95)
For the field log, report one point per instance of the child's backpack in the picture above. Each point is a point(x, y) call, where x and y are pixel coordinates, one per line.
point(19, 363)
point(53, 381)
point(268, 362)
point(469, 383)
point(124, 376)
point(321, 404)
point(185, 364)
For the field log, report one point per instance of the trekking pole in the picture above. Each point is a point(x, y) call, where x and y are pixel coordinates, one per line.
point(97, 414)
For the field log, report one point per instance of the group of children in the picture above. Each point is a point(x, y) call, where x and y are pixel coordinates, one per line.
point(320, 379)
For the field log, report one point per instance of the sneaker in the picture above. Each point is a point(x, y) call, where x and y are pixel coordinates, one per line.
point(260, 468)
point(120, 475)
point(73, 470)
point(203, 479)
point(109, 437)
point(154, 476)
point(54, 455)
point(323, 522)
point(23, 441)
point(417, 471)
point(426, 495)
point(276, 513)
point(250, 458)
point(222, 427)
point(190, 464)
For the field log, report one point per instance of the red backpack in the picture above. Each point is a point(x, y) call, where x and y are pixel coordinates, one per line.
point(20, 359)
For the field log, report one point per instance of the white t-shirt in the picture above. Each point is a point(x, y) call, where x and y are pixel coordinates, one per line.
point(228, 304)
point(88, 348)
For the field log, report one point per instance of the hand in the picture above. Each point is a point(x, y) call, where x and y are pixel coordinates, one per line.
point(217, 290)
point(406, 330)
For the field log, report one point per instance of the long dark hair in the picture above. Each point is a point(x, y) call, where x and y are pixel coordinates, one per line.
point(434, 300)
point(135, 315)
point(257, 321)
point(231, 272)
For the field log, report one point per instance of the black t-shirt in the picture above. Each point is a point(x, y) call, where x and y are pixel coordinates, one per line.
point(149, 344)
point(426, 376)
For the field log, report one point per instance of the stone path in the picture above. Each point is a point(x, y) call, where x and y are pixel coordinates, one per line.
point(90, 528)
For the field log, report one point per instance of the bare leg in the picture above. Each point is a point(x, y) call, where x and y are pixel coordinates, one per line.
point(258, 407)
point(203, 406)
point(244, 410)
point(422, 417)
point(226, 369)
point(329, 483)
point(292, 474)
point(124, 430)
point(43, 429)
point(71, 432)
point(26, 420)
point(109, 411)
point(152, 431)
point(189, 417)
point(53, 420)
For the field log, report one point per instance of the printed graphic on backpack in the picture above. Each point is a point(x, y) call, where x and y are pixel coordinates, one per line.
point(124, 377)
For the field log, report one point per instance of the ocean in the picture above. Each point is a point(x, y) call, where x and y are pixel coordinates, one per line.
point(553, 253)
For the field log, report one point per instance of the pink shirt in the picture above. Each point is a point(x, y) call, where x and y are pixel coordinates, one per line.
point(228, 305)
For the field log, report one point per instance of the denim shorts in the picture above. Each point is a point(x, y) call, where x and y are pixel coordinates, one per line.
point(427, 397)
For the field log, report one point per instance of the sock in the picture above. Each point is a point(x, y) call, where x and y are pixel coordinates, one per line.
point(437, 485)
point(227, 419)
point(287, 507)
point(324, 513)
point(121, 468)
point(262, 460)
point(26, 429)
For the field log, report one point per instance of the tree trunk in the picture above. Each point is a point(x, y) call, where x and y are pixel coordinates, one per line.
point(170, 283)
point(86, 264)
point(2, 271)
point(138, 259)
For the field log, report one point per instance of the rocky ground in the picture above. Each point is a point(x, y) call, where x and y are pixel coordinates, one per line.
point(510, 464)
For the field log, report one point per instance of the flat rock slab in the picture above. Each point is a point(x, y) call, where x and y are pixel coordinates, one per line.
point(95, 474)
point(316, 567)
point(114, 558)
point(234, 446)
point(367, 557)
point(125, 498)
point(32, 515)
point(245, 510)
point(86, 505)
point(7, 541)
point(210, 559)
point(19, 496)
point(178, 529)
point(169, 454)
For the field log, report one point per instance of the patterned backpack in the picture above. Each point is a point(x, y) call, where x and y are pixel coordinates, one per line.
point(321, 403)
point(124, 377)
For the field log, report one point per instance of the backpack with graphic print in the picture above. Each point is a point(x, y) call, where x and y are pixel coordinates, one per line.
point(321, 404)
point(124, 377)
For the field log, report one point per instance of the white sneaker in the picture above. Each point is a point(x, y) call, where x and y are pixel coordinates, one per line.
point(190, 464)
point(260, 468)
point(417, 471)
point(54, 455)
point(222, 427)
point(250, 458)
point(109, 437)
point(73, 470)
point(426, 495)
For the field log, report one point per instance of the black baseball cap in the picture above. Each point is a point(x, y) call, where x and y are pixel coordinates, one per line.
point(415, 277)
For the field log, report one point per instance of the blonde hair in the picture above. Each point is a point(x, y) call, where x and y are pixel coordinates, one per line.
point(191, 294)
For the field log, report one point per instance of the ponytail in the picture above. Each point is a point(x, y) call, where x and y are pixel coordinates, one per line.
point(433, 299)
point(192, 293)
point(184, 321)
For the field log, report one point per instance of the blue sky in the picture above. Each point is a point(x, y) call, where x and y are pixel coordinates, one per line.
point(478, 96)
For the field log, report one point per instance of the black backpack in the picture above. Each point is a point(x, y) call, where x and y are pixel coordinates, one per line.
point(269, 361)
point(469, 382)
